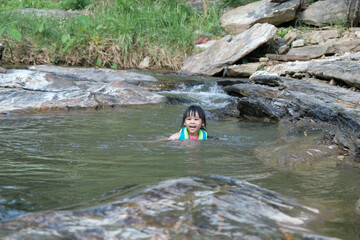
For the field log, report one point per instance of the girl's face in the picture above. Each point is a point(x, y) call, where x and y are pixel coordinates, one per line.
point(193, 123)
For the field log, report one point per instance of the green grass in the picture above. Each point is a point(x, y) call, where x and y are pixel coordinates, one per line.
point(41, 4)
point(110, 33)
point(236, 3)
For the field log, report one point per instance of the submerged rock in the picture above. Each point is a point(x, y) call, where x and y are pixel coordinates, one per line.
point(300, 144)
point(213, 207)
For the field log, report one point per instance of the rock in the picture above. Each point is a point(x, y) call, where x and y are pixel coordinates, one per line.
point(330, 47)
point(317, 37)
point(244, 17)
point(309, 98)
point(171, 210)
point(22, 89)
point(145, 63)
point(298, 43)
point(346, 71)
point(280, 45)
point(348, 133)
point(264, 109)
point(301, 144)
point(228, 50)
point(328, 12)
point(290, 37)
point(205, 45)
point(287, 58)
point(2, 70)
point(265, 78)
point(246, 89)
point(243, 70)
point(46, 13)
point(312, 51)
point(332, 82)
point(96, 74)
point(283, 49)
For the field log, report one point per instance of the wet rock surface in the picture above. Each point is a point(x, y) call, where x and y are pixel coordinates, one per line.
point(292, 100)
point(210, 207)
point(58, 88)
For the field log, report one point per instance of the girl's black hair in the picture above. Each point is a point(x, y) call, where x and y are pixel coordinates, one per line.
point(191, 111)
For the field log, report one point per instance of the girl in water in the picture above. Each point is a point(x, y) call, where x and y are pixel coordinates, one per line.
point(193, 125)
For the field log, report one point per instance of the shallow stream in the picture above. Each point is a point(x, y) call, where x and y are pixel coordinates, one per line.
point(70, 166)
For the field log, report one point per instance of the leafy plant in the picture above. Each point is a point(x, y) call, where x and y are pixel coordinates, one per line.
point(67, 41)
point(282, 32)
point(11, 30)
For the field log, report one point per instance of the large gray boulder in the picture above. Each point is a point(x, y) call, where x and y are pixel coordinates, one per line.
point(328, 12)
point(265, 11)
point(26, 89)
point(228, 50)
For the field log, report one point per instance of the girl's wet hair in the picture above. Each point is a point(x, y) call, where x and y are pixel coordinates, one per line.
point(191, 111)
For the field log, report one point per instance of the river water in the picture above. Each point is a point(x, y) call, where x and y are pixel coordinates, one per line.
point(104, 175)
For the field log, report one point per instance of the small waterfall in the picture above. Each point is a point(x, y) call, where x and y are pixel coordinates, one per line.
point(206, 94)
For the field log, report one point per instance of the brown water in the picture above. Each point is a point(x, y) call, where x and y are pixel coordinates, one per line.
point(83, 160)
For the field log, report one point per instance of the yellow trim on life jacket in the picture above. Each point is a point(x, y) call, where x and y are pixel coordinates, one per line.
point(184, 134)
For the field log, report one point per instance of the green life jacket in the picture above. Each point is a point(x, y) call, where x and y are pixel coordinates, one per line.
point(185, 135)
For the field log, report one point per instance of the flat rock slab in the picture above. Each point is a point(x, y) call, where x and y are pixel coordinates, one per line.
point(27, 89)
point(95, 74)
point(46, 13)
point(228, 50)
point(340, 69)
point(330, 47)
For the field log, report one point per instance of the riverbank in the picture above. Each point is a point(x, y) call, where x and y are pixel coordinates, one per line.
point(111, 34)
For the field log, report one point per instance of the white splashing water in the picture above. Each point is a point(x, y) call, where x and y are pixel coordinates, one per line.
point(209, 95)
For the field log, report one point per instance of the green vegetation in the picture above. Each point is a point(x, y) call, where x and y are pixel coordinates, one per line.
point(236, 3)
point(109, 33)
point(41, 4)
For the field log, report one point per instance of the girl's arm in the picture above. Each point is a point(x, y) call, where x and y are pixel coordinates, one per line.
point(175, 136)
